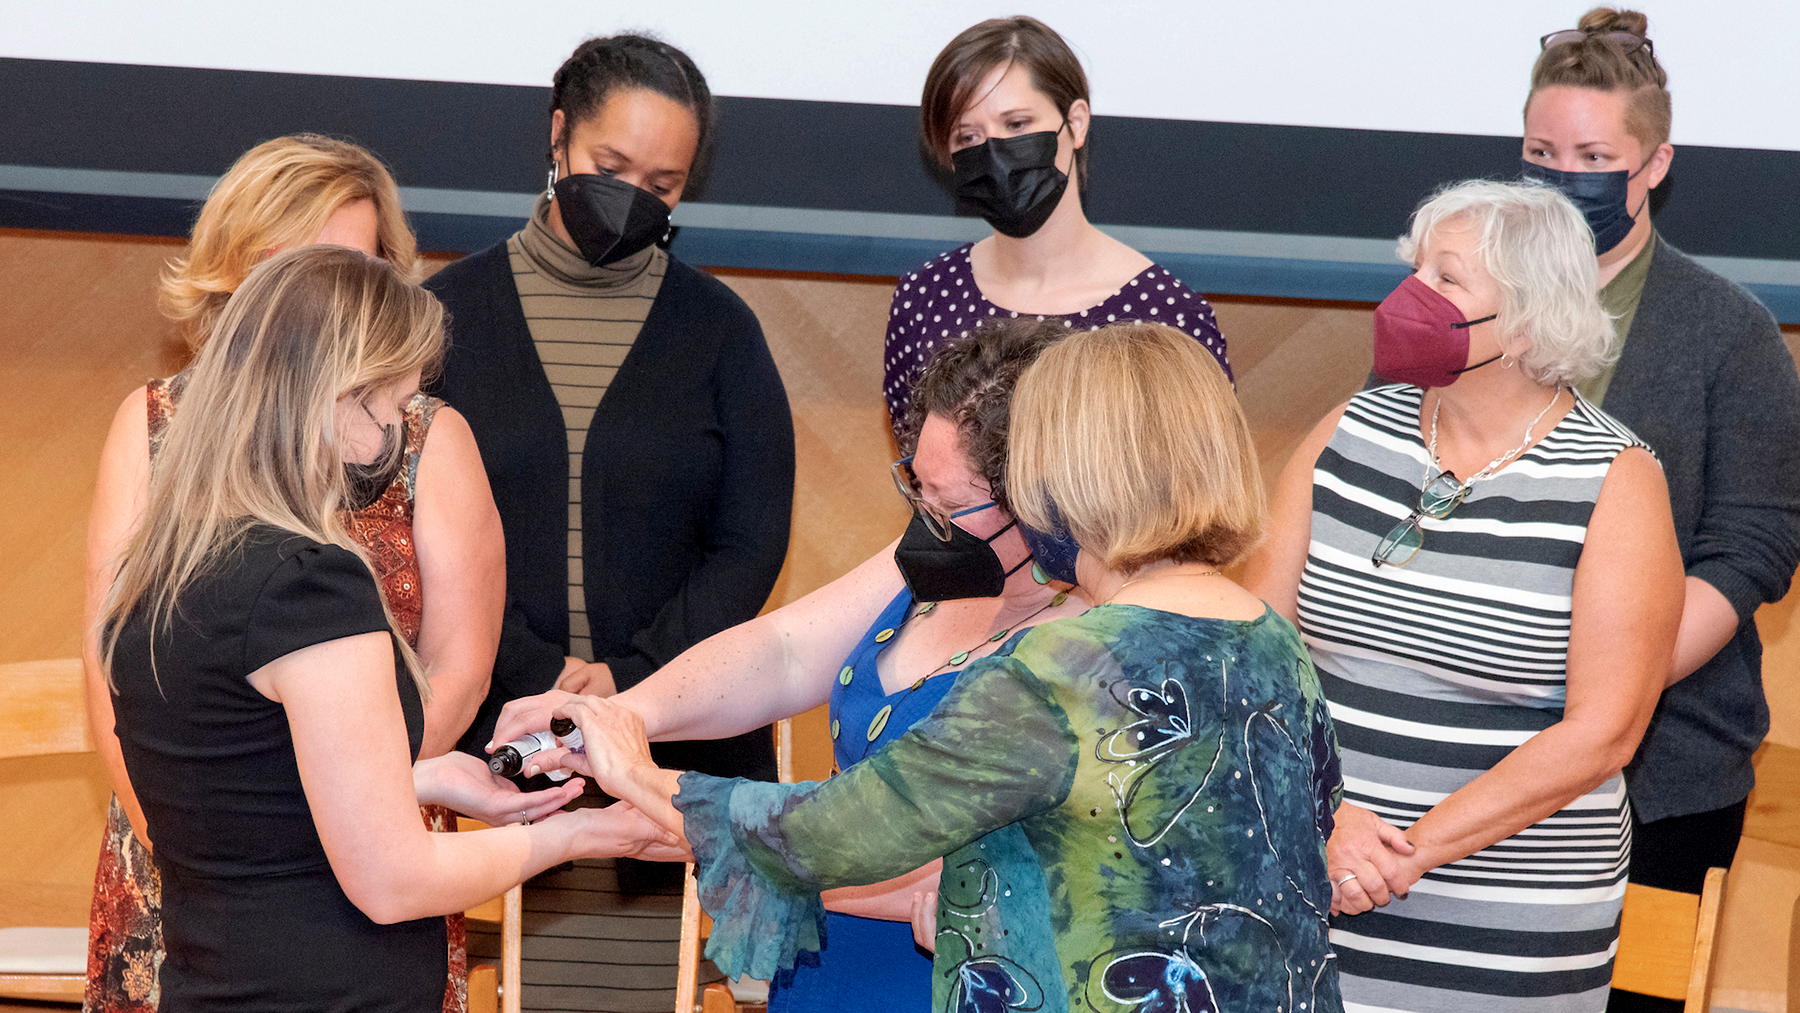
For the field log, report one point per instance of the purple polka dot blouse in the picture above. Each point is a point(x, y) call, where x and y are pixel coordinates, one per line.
point(939, 303)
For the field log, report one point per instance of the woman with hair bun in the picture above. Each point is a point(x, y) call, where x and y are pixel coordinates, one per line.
point(427, 521)
point(1704, 377)
point(1483, 567)
point(636, 433)
point(1005, 109)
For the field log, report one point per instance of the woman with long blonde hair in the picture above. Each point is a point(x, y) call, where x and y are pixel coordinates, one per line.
point(427, 520)
point(267, 706)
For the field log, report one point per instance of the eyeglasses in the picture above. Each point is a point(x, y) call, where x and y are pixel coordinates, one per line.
point(1628, 42)
point(1436, 500)
point(936, 521)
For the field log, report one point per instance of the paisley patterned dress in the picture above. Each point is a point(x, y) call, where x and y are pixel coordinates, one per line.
point(1132, 806)
point(125, 945)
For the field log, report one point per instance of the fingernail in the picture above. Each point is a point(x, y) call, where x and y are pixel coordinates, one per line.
point(490, 747)
point(532, 772)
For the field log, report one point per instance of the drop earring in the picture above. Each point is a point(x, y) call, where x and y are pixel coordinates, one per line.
point(550, 184)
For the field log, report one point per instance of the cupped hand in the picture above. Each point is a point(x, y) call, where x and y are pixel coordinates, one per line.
point(1365, 859)
point(924, 920)
point(465, 784)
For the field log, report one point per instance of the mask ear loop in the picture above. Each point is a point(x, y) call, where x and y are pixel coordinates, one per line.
point(1646, 201)
point(1470, 323)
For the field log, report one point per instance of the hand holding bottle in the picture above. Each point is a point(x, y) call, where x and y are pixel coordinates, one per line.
point(614, 739)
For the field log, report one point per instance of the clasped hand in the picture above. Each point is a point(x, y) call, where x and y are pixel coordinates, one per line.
point(1370, 861)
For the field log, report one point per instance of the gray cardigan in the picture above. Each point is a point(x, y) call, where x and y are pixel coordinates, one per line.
point(1707, 382)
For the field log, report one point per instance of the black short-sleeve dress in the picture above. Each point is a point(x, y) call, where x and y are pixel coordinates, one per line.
point(253, 917)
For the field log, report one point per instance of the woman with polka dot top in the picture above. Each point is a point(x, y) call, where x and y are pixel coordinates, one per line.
point(1006, 108)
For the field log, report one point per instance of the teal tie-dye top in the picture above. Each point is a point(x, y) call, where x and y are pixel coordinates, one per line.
point(1132, 807)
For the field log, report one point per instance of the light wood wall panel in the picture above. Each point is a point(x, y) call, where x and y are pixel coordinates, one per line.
point(78, 330)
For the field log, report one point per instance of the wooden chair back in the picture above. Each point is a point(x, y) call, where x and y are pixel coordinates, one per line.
point(696, 926)
point(1667, 942)
point(42, 713)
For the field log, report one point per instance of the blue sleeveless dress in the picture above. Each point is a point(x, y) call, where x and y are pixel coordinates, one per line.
point(866, 964)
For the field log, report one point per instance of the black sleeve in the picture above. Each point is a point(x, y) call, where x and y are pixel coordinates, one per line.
point(319, 593)
point(747, 528)
point(1748, 541)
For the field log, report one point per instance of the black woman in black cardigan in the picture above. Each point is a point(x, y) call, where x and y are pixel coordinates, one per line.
point(634, 428)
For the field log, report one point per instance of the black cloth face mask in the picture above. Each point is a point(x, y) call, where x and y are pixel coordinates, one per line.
point(1601, 197)
point(1012, 182)
point(366, 482)
point(963, 567)
point(608, 218)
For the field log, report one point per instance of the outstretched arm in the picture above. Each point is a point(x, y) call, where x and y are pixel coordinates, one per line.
point(774, 666)
point(998, 748)
point(367, 813)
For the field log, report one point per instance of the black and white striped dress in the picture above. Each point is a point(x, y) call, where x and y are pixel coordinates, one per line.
point(1435, 671)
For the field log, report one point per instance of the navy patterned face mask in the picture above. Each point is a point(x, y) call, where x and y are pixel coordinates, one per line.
point(1054, 550)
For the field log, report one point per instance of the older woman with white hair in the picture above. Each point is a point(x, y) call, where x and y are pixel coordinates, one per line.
point(1485, 570)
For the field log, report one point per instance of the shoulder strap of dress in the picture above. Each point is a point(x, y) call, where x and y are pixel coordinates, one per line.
point(159, 407)
point(419, 413)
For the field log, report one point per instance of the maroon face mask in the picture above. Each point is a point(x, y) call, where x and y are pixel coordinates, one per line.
point(1421, 337)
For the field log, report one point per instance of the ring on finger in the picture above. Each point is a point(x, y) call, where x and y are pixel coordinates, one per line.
point(1348, 876)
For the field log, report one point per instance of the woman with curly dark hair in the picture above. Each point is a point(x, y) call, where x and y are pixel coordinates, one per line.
point(883, 644)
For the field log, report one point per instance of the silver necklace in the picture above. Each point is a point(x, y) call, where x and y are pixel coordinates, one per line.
point(1494, 464)
point(1159, 576)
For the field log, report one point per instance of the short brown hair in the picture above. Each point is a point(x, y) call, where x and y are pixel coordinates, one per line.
point(278, 195)
point(1133, 433)
point(958, 70)
point(970, 382)
point(1599, 63)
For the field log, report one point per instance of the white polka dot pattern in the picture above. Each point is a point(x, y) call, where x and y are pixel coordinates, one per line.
point(913, 331)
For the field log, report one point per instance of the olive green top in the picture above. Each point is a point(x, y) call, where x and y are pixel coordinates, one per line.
point(1619, 297)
